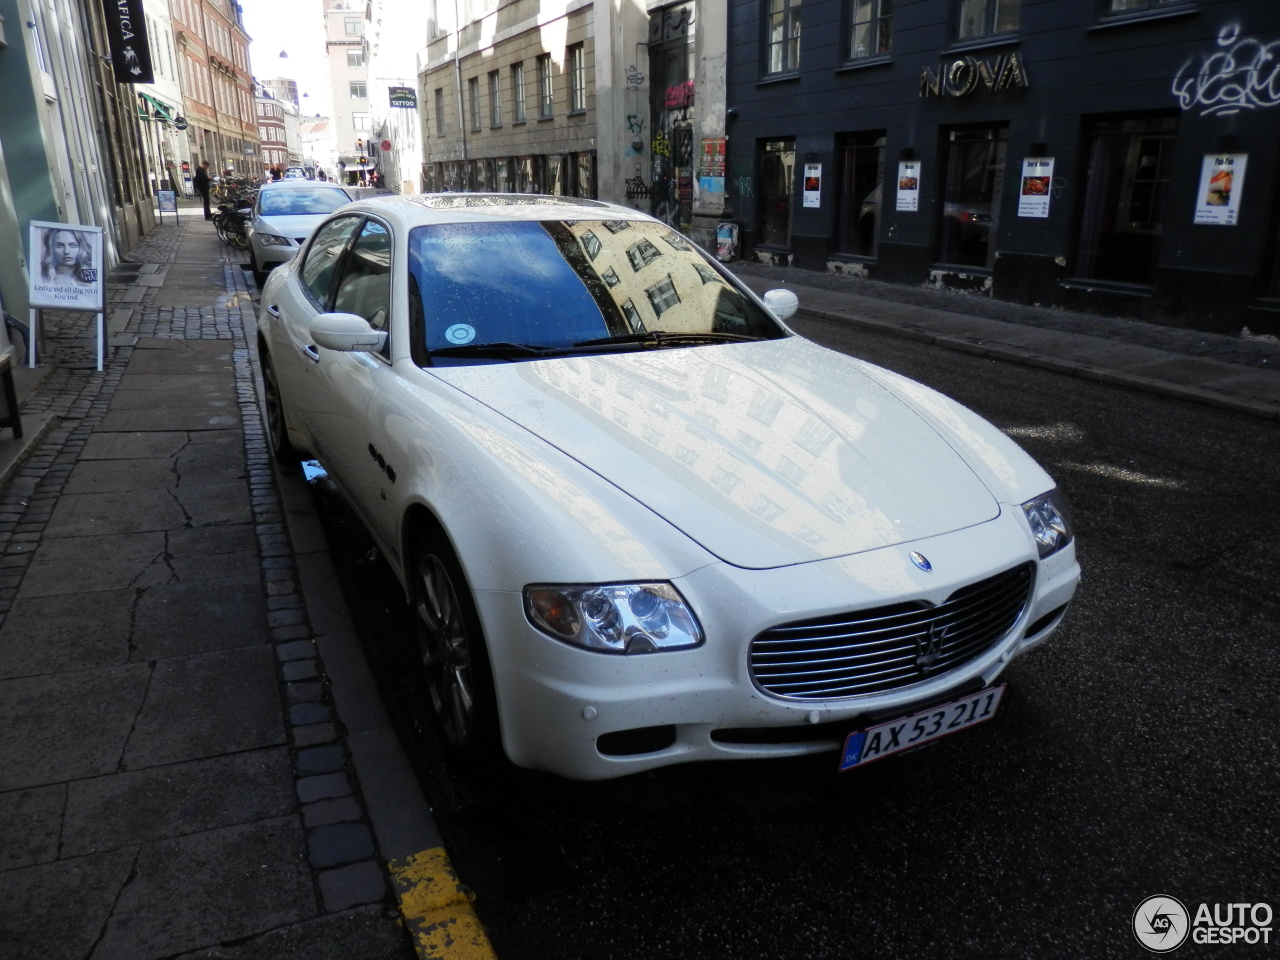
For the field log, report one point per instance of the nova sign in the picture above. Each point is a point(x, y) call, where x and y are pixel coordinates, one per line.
point(964, 75)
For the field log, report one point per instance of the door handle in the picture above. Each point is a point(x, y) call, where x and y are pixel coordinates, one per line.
point(273, 310)
point(312, 353)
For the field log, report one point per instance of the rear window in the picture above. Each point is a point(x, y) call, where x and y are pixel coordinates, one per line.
point(557, 283)
point(288, 203)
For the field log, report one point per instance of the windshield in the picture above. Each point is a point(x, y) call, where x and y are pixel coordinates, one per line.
point(492, 292)
point(289, 203)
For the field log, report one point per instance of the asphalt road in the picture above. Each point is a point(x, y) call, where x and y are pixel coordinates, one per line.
point(1134, 755)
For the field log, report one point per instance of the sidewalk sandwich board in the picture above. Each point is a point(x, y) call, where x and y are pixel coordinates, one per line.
point(65, 266)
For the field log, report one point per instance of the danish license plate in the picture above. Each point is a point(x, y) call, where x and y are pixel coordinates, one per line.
point(895, 736)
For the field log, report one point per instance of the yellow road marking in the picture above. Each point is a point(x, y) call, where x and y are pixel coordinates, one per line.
point(437, 908)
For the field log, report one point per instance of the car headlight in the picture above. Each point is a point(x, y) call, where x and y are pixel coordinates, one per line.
point(614, 618)
point(1050, 522)
point(271, 240)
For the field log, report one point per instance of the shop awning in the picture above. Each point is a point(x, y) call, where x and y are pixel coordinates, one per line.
point(166, 112)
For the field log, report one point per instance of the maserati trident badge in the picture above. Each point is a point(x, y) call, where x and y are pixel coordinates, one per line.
point(929, 647)
point(921, 561)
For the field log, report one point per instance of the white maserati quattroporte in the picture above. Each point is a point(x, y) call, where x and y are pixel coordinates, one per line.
point(640, 521)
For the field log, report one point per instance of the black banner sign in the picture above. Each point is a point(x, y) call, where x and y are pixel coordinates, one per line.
point(127, 34)
point(403, 97)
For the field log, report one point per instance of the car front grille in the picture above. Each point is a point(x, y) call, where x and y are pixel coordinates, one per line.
point(872, 651)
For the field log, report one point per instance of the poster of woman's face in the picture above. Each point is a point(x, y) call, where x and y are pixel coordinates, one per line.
point(66, 266)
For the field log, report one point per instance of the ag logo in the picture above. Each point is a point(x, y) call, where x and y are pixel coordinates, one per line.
point(1161, 924)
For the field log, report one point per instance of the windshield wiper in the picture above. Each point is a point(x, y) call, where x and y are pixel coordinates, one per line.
point(659, 338)
point(499, 350)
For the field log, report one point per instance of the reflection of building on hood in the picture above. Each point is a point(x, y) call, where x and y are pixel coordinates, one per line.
point(66, 256)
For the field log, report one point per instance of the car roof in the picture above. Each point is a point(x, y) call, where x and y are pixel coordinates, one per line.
point(425, 208)
point(304, 184)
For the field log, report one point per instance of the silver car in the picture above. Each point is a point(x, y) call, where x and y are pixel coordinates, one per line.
point(284, 215)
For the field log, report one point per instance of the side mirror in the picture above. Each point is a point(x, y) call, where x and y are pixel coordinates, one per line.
point(781, 303)
point(346, 332)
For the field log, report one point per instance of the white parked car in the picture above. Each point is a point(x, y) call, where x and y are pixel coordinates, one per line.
point(639, 519)
point(284, 214)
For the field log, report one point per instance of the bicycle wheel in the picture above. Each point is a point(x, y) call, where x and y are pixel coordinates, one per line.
point(221, 227)
point(236, 231)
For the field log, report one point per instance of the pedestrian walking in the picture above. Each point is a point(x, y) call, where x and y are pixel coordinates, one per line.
point(201, 184)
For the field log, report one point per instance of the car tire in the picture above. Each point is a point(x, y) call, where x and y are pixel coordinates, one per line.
point(452, 654)
point(277, 431)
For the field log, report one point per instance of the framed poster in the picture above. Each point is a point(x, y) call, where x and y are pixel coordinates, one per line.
point(908, 185)
point(1221, 183)
point(812, 185)
point(66, 266)
point(1033, 195)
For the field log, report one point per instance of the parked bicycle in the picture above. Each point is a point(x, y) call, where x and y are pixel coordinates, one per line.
point(231, 222)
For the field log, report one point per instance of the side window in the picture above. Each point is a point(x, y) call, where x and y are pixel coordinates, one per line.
point(323, 256)
point(365, 285)
point(988, 18)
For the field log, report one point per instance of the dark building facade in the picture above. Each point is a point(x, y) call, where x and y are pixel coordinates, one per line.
point(1116, 156)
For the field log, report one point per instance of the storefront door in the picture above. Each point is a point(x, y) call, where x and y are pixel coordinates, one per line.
point(861, 194)
point(777, 172)
point(1123, 215)
point(971, 197)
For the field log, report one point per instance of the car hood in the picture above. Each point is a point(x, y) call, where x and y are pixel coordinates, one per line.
point(766, 454)
point(296, 226)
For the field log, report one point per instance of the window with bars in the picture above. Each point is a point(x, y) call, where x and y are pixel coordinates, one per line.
point(577, 78)
point(473, 99)
point(784, 36)
point(871, 29)
point(546, 89)
point(987, 18)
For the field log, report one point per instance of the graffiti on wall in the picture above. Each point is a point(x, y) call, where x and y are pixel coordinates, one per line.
point(678, 95)
point(1242, 74)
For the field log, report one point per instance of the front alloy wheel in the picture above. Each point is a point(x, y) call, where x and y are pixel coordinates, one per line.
point(451, 649)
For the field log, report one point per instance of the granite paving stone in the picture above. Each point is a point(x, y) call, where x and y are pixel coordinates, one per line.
point(30, 825)
point(214, 503)
point(157, 803)
point(362, 932)
point(205, 705)
point(353, 884)
point(56, 911)
point(234, 882)
point(68, 725)
point(180, 619)
point(105, 445)
point(115, 476)
point(139, 511)
point(49, 634)
point(66, 566)
point(337, 843)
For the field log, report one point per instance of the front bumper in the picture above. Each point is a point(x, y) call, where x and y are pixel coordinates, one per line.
point(592, 716)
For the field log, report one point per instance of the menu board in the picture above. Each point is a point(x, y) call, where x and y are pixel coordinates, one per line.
point(908, 185)
point(1221, 183)
point(1037, 178)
